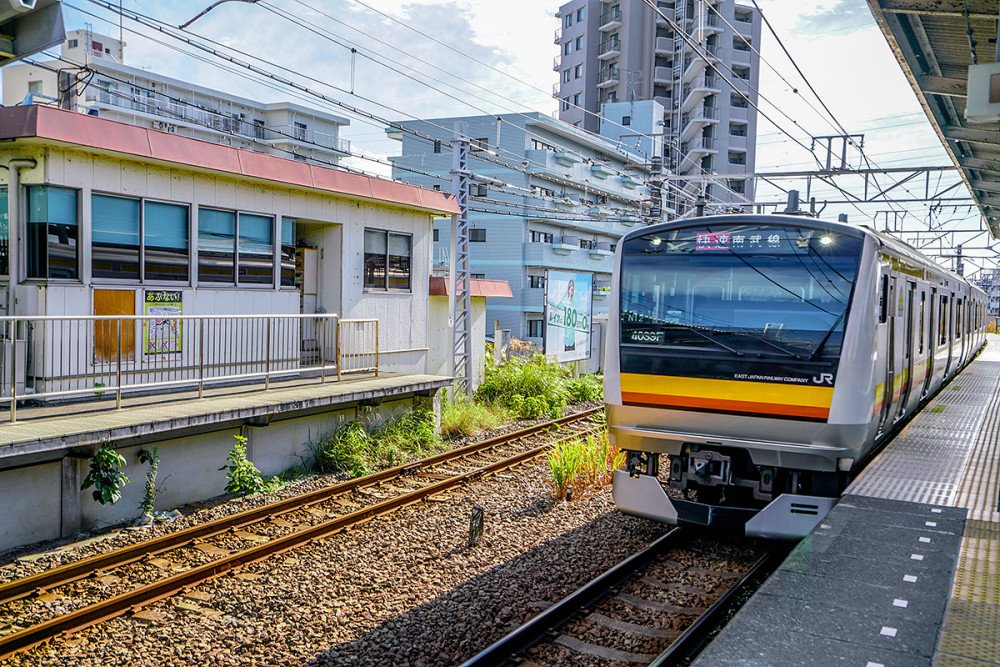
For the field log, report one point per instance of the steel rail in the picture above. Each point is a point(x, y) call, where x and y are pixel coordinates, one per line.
point(70, 572)
point(135, 599)
point(566, 609)
point(696, 634)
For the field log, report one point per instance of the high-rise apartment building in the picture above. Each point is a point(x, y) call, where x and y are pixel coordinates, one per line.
point(697, 58)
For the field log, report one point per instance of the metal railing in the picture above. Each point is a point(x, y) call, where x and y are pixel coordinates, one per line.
point(610, 16)
point(213, 120)
point(92, 356)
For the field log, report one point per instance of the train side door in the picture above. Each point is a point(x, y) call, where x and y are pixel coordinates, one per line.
point(887, 336)
point(929, 342)
point(907, 358)
point(948, 312)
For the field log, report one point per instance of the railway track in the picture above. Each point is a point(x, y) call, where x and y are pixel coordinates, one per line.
point(122, 581)
point(656, 608)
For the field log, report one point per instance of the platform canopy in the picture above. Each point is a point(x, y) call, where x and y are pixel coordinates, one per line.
point(935, 42)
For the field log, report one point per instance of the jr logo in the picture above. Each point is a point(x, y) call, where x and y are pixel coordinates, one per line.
point(824, 378)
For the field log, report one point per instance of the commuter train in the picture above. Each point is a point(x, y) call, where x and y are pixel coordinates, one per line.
point(767, 358)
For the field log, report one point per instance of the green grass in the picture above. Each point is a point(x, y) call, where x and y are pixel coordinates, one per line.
point(582, 465)
point(360, 447)
point(465, 418)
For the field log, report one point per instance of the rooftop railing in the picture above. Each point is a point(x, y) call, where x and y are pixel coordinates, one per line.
point(62, 358)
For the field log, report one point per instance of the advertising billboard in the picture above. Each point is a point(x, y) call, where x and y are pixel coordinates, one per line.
point(568, 305)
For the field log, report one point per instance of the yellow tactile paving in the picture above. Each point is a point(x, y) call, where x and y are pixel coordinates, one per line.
point(970, 634)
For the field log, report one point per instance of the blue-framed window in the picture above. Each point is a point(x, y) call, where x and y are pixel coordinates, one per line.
point(53, 233)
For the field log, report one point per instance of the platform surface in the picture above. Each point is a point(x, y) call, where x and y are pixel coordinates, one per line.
point(43, 430)
point(905, 570)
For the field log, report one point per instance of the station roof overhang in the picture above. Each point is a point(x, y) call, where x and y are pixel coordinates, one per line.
point(934, 42)
point(47, 125)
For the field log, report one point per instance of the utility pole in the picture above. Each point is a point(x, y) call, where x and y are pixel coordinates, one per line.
point(846, 140)
point(655, 192)
point(459, 274)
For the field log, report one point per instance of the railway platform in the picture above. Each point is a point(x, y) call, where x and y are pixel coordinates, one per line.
point(905, 570)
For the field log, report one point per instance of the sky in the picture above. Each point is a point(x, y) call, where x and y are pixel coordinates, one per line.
point(496, 57)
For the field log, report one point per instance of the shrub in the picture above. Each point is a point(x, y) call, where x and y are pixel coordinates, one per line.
point(105, 476)
point(530, 388)
point(586, 388)
point(243, 477)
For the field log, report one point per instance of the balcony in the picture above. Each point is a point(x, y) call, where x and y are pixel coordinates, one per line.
point(557, 63)
point(607, 77)
point(567, 256)
point(178, 113)
point(609, 48)
point(699, 146)
point(557, 38)
point(664, 46)
point(707, 24)
point(697, 120)
point(610, 20)
point(600, 171)
point(663, 76)
point(697, 90)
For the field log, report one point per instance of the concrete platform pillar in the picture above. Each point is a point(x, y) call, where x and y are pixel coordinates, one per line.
point(431, 401)
point(70, 516)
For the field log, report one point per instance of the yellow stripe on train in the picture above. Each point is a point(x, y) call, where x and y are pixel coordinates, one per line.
point(769, 398)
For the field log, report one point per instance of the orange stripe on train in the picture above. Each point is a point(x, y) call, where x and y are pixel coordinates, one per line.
point(722, 405)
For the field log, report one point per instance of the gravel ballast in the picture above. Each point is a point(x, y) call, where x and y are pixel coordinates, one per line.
point(400, 590)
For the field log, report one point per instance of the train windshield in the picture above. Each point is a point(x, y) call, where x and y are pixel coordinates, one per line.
point(739, 290)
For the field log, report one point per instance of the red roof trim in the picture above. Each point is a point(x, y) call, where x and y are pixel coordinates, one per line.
point(80, 129)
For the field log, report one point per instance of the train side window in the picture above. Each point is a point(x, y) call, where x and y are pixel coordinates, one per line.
point(958, 318)
point(883, 300)
point(923, 314)
point(943, 321)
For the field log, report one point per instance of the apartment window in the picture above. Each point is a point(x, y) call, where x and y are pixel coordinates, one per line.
point(567, 48)
point(541, 237)
point(737, 157)
point(537, 145)
point(612, 96)
point(542, 192)
point(566, 76)
point(578, 71)
point(626, 120)
point(576, 99)
point(478, 190)
point(565, 104)
point(478, 276)
point(387, 260)
point(35, 87)
point(258, 129)
point(480, 144)
point(53, 234)
point(300, 131)
point(437, 235)
point(579, 15)
point(536, 281)
point(588, 245)
point(437, 145)
point(477, 235)
point(738, 187)
point(738, 129)
point(579, 43)
point(742, 72)
point(238, 248)
point(534, 328)
point(567, 20)
point(73, 43)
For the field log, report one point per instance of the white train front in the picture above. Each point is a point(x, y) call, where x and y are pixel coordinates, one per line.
point(764, 359)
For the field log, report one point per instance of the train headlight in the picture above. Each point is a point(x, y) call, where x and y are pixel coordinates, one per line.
point(655, 241)
point(825, 240)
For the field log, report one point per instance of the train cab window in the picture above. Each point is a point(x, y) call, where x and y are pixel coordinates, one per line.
point(771, 292)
